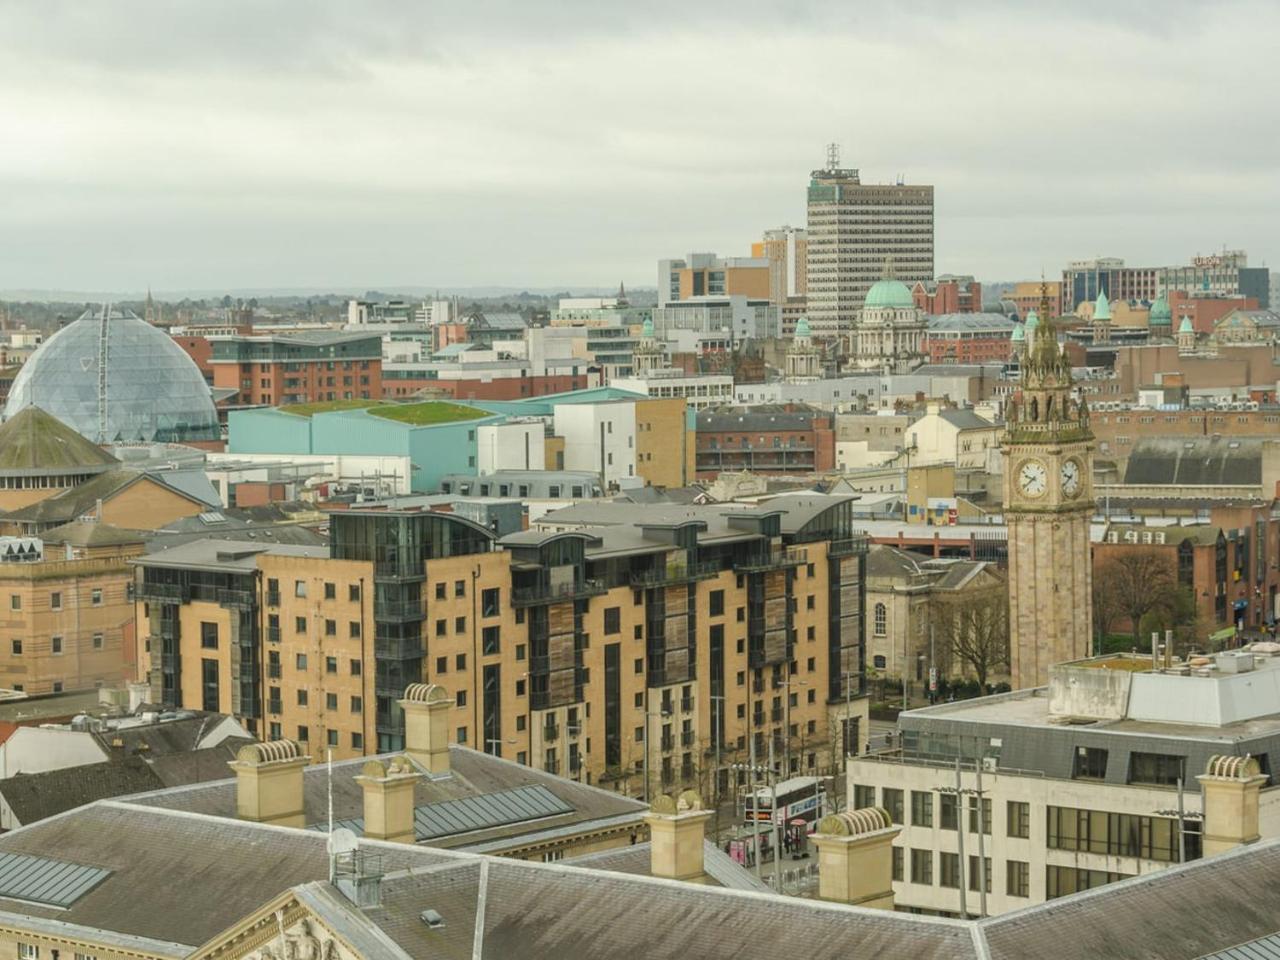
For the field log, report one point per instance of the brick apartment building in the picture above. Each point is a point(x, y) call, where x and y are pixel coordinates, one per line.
point(310, 366)
point(770, 439)
point(948, 294)
point(969, 338)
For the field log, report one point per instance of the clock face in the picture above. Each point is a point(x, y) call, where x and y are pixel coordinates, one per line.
point(1032, 478)
point(1071, 477)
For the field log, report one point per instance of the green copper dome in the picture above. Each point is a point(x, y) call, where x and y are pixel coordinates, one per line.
point(1185, 326)
point(889, 293)
point(1019, 334)
point(1160, 313)
point(802, 327)
point(646, 331)
point(1032, 322)
point(1102, 307)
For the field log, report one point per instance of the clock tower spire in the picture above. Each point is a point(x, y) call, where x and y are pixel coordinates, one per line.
point(1048, 505)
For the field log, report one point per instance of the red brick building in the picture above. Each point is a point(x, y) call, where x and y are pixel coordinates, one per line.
point(948, 294)
point(1205, 312)
point(769, 439)
point(307, 366)
point(969, 338)
point(397, 386)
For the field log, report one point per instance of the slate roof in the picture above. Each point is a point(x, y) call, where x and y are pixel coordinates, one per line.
point(965, 419)
point(80, 500)
point(1198, 461)
point(767, 417)
point(33, 441)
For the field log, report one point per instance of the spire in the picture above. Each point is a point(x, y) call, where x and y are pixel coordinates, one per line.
point(622, 294)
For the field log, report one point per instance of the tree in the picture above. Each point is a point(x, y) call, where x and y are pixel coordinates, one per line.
point(1107, 611)
point(1143, 582)
point(974, 627)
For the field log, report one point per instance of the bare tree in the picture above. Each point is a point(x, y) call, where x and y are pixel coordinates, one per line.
point(974, 627)
point(1143, 582)
point(1107, 609)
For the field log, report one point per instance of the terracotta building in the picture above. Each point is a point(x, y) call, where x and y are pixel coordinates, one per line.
point(309, 366)
point(948, 294)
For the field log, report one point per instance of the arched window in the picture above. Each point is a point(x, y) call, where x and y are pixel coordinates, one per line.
point(881, 618)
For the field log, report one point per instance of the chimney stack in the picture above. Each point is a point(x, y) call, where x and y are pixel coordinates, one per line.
point(389, 800)
point(426, 709)
point(677, 830)
point(855, 857)
point(1229, 787)
point(269, 783)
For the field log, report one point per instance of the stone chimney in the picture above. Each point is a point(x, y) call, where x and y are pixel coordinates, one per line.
point(269, 783)
point(677, 829)
point(1230, 787)
point(855, 857)
point(389, 799)
point(426, 725)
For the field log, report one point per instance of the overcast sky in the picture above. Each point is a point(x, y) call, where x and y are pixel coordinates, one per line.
point(199, 145)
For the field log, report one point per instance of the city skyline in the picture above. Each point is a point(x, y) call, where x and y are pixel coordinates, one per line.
point(320, 149)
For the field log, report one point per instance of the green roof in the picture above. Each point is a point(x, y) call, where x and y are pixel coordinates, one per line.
point(889, 293)
point(327, 406)
point(38, 441)
point(1102, 307)
point(646, 330)
point(802, 327)
point(1185, 326)
point(1019, 333)
point(427, 414)
point(1032, 322)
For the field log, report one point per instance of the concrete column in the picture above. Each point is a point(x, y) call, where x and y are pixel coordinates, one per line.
point(855, 857)
point(677, 830)
point(426, 725)
point(269, 783)
point(389, 799)
point(1230, 787)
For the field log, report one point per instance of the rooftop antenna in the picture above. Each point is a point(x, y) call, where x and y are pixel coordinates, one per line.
point(833, 156)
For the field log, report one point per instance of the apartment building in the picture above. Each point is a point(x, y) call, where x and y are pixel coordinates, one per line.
point(568, 647)
point(709, 275)
point(1038, 794)
point(305, 366)
point(853, 229)
point(787, 251)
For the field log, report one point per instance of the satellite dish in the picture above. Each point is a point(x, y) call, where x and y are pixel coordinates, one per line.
point(343, 841)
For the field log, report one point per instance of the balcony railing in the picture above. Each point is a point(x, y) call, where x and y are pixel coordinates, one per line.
point(273, 634)
point(164, 591)
point(551, 732)
point(775, 714)
point(235, 598)
point(675, 573)
point(552, 593)
point(668, 743)
point(273, 598)
point(275, 706)
point(686, 738)
point(552, 766)
point(686, 704)
point(852, 546)
point(402, 610)
point(273, 671)
point(758, 718)
point(774, 559)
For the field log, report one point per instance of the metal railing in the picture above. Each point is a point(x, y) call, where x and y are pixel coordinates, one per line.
point(551, 593)
point(550, 731)
point(228, 597)
point(849, 547)
point(774, 559)
point(675, 573)
point(668, 742)
point(164, 591)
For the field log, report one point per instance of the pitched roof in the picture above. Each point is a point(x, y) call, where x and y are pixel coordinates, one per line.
point(80, 500)
point(36, 441)
point(1195, 461)
point(81, 534)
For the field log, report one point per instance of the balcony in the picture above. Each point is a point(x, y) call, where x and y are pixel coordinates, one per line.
point(273, 634)
point(555, 593)
point(273, 598)
point(273, 671)
point(552, 766)
point(235, 598)
point(399, 648)
point(403, 611)
point(675, 573)
point(275, 706)
point(686, 704)
point(849, 547)
point(774, 560)
point(172, 592)
point(668, 743)
point(686, 738)
point(550, 732)
point(757, 718)
point(776, 714)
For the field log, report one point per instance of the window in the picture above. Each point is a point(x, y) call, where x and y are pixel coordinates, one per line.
point(612, 620)
point(462, 735)
point(808, 602)
point(892, 801)
point(881, 619)
point(356, 668)
point(55, 600)
point(302, 697)
point(442, 628)
point(300, 661)
point(28, 951)
point(442, 664)
point(353, 629)
point(85, 956)
point(357, 741)
point(353, 592)
point(441, 591)
point(878, 662)
point(459, 624)
point(332, 738)
point(1116, 834)
point(639, 665)
point(717, 603)
point(15, 602)
point(17, 648)
point(299, 588)
point(986, 815)
point(489, 600)
point(330, 664)
point(1091, 764)
point(921, 809)
point(331, 591)
point(95, 597)
point(490, 639)
point(460, 662)
point(330, 628)
point(922, 866)
point(947, 811)
point(299, 624)
point(1019, 819)
point(519, 651)
point(55, 644)
point(1017, 878)
point(304, 734)
point(97, 641)
point(742, 614)
point(462, 698)
point(1061, 881)
point(949, 870)
point(986, 874)
point(1156, 768)
point(357, 704)
point(275, 731)
point(459, 588)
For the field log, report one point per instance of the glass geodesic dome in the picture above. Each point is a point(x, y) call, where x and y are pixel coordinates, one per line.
point(117, 378)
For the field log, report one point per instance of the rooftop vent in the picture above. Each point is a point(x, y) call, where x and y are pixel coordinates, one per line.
point(432, 919)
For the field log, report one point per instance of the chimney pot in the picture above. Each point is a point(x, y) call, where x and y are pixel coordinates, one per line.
point(426, 709)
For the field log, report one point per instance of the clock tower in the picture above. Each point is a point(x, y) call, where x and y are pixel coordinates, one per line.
point(1048, 506)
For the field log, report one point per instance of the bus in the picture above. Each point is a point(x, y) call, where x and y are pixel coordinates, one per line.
point(799, 798)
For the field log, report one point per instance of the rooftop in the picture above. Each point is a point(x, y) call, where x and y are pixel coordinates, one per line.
point(35, 442)
point(971, 323)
